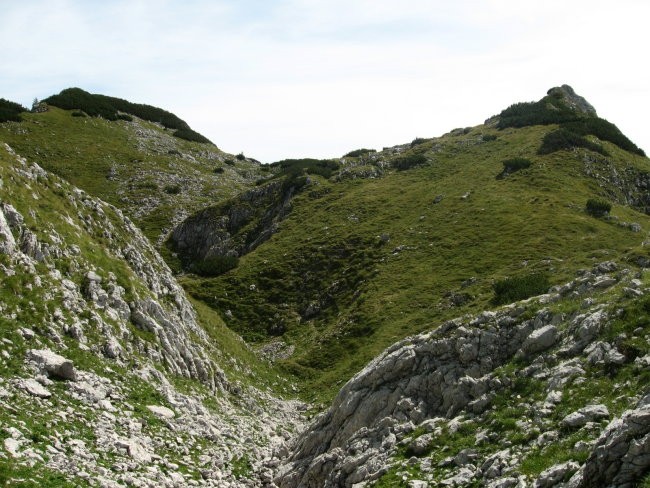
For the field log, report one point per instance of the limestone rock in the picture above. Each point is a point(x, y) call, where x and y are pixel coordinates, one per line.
point(589, 413)
point(162, 412)
point(555, 474)
point(33, 387)
point(53, 364)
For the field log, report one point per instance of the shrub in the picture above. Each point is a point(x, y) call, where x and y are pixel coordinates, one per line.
point(190, 135)
point(517, 288)
point(605, 131)
point(547, 111)
point(410, 161)
point(214, 266)
point(126, 117)
point(173, 189)
point(598, 208)
point(240, 157)
point(218, 170)
point(108, 108)
point(295, 167)
point(566, 139)
point(359, 152)
point(229, 162)
point(515, 164)
point(78, 113)
point(10, 111)
point(417, 141)
point(489, 137)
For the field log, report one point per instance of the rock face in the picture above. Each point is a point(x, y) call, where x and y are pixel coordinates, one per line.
point(621, 455)
point(433, 383)
point(96, 338)
point(573, 100)
point(235, 228)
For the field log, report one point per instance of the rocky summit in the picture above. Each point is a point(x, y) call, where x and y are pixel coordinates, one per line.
point(468, 310)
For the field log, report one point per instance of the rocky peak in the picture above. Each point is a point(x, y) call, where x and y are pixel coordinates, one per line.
point(572, 100)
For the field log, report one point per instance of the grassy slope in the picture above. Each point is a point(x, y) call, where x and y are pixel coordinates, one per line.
point(329, 250)
point(149, 165)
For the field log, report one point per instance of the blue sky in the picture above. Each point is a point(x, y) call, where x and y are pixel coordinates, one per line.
point(298, 78)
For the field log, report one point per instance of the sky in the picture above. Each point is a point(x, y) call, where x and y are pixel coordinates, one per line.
point(279, 79)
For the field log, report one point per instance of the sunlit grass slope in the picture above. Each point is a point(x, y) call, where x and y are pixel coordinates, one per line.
point(361, 263)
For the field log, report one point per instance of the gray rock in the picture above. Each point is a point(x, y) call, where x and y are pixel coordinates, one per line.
point(586, 414)
point(162, 412)
point(540, 339)
point(418, 484)
point(34, 388)
point(555, 474)
point(621, 455)
point(420, 445)
point(53, 364)
point(7, 240)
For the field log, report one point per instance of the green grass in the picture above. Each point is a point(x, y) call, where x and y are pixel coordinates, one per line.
point(110, 160)
point(371, 293)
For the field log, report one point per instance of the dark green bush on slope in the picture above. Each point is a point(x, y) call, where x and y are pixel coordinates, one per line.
point(10, 111)
point(573, 126)
point(598, 208)
point(512, 165)
point(109, 108)
point(519, 287)
point(359, 152)
point(406, 162)
point(565, 139)
point(214, 266)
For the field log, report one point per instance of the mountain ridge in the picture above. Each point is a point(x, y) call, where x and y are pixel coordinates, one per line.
point(366, 283)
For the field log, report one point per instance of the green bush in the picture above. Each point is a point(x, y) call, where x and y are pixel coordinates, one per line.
point(126, 117)
point(512, 165)
point(605, 131)
point(598, 208)
point(294, 167)
point(566, 139)
point(547, 111)
point(489, 137)
point(108, 108)
point(515, 164)
point(219, 170)
point(517, 288)
point(173, 189)
point(417, 141)
point(190, 135)
point(573, 126)
point(240, 157)
point(214, 266)
point(359, 152)
point(78, 113)
point(10, 111)
point(406, 162)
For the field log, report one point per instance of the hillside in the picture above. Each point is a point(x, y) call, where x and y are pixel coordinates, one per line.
point(466, 310)
point(413, 235)
point(110, 376)
point(133, 163)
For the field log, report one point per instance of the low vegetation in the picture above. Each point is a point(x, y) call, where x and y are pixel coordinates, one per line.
point(598, 208)
point(10, 111)
point(517, 288)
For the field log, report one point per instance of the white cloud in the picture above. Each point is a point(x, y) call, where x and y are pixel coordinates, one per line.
point(294, 78)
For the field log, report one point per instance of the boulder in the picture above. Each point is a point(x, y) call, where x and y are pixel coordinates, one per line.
point(54, 365)
point(589, 413)
point(555, 474)
point(34, 388)
point(540, 340)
